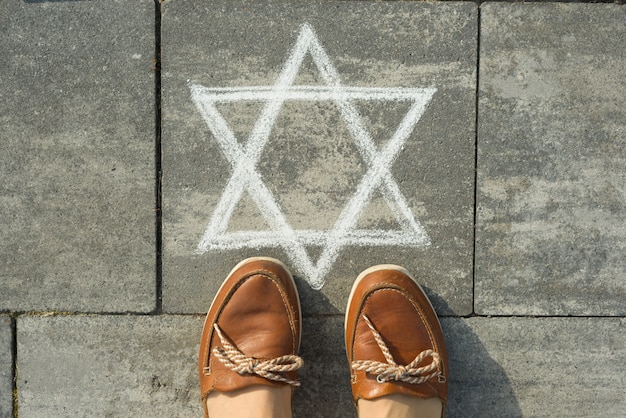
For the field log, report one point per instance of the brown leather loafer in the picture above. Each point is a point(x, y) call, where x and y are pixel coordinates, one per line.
point(394, 340)
point(252, 331)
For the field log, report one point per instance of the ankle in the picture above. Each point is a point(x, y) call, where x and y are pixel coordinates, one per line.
point(251, 402)
point(400, 406)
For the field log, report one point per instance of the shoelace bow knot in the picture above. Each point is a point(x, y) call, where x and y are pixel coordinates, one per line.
point(390, 370)
point(238, 362)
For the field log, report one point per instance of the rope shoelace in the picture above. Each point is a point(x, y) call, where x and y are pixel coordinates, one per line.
point(238, 362)
point(410, 373)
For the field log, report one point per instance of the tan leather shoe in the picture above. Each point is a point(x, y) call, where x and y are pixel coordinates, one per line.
point(394, 340)
point(252, 331)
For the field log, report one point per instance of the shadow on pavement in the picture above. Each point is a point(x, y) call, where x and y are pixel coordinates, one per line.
point(479, 387)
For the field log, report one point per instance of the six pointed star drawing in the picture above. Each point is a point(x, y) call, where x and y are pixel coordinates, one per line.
point(245, 177)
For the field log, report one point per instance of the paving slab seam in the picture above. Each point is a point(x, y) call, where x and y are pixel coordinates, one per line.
point(481, 2)
point(43, 314)
point(158, 160)
point(475, 215)
point(540, 316)
point(14, 363)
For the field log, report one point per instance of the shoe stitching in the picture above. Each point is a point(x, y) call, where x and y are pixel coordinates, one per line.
point(382, 286)
point(395, 288)
point(274, 279)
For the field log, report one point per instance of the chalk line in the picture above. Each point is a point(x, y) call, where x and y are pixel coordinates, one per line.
point(310, 93)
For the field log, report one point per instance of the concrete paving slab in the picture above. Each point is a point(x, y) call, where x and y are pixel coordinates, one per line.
point(499, 367)
point(146, 366)
point(136, 365)
point(122, 366)
point(552, 367)
point(77, 180)
point(551, 198)
point(6, 367)
point(318, 107)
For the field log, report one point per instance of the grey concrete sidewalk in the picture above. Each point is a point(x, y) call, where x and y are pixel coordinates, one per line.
point(147, 147)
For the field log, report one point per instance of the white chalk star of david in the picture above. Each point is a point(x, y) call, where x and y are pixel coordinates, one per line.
point(245, 176)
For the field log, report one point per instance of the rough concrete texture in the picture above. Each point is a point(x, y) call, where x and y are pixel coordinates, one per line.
point(311, 163)
point(6, 367)
point(551, 235)
point(549, 367)
point(325, 388)
point(77, 179)
point(121, 366)
point(499, 367)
